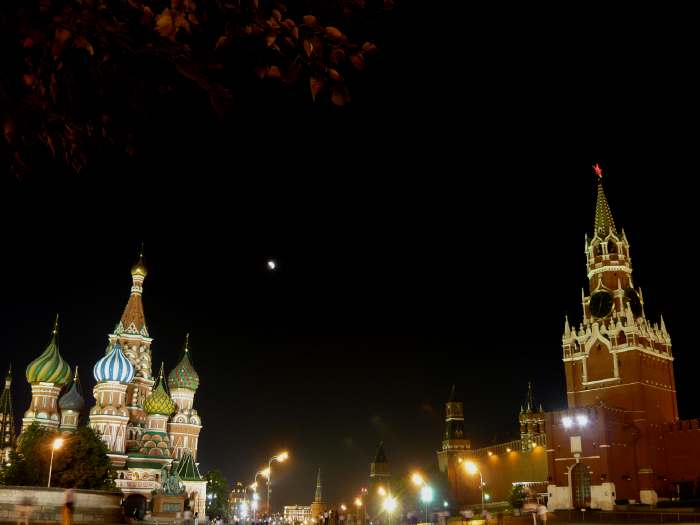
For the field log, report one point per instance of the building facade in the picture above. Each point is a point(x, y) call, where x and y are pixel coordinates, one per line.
point(297, 514)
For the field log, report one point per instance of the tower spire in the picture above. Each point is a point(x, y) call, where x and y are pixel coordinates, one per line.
point(133, 321)
point(604, 223)
point(7, 420)
point(318, 496)
point(530, 400)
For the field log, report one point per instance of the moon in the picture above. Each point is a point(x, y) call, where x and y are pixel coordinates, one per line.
point(271, 265)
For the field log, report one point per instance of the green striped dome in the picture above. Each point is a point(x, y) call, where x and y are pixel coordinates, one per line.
point(159, 402)
point(184, 375)
point(49, 367)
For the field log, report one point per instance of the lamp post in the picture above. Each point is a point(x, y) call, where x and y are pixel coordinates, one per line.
point(55, 445)
point(472, 469)
point(426, 496)
point(389, 506)
point(280, 458)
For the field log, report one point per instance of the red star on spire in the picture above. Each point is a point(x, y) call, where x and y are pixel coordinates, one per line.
point(598, 171)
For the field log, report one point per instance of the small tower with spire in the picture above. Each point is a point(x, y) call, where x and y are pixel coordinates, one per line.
point(154, 447)
point(531, 419)
point(318, 507)
point(71, 404)
point(110, 416)
point(379, 483)
point(454, 446)
point(47, 375)
point(185, 425)
point(7, 420)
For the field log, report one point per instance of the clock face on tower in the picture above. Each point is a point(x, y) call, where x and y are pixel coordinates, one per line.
point(601, 304)
point(633, 300)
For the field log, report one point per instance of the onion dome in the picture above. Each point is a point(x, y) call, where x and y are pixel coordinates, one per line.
point(184, 375)
point(159, 402)
point(73, 399)
point(49, 367)
point(114, 366)
point(139, 268)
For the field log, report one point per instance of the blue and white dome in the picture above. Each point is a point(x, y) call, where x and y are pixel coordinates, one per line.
point(114, 366)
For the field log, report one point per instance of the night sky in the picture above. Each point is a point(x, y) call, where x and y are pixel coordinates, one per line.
point(430, 233)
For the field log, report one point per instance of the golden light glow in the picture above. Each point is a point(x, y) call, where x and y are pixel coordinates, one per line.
point(417, 479)
point(490, 453)
point(381, 491)
point(389, 504)
point(507, 449)
point(254, 486)
point(265, 472)
point(471, 467)
point(284, 456)
point(358, 502)
point(343, 507)
point(57, 443)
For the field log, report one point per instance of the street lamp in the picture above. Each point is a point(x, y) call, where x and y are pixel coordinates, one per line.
point(390, 505)
point(426, 496)
point(57, 443)
point(417, 479)
point(472, 469)
point(280, 458)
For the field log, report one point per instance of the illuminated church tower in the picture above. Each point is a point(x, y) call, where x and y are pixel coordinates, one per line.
point(71, 405)
point(110, 416)
point(185, 424)
point(132, 335)
point(154, 446)
point(616, 355)
point(46, 374)
point(7, 420)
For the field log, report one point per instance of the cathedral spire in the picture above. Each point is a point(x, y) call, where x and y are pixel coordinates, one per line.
point(604, 223)
point(133, 321)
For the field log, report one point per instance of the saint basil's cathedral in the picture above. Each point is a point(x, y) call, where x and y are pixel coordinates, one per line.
point(149, 424)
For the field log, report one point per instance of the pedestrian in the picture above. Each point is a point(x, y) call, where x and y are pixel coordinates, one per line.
point(187, 516)
point(68, 507)
point(196, 518)
point(218, 520)
point(499, 517)
point(24, 510)
point(542, 514)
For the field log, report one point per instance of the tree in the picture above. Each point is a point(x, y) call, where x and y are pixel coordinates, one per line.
point(81, 462)
point(29, 462)
point(517, 496)
point(217, 494)
point(84, 463)
point(89, 78)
